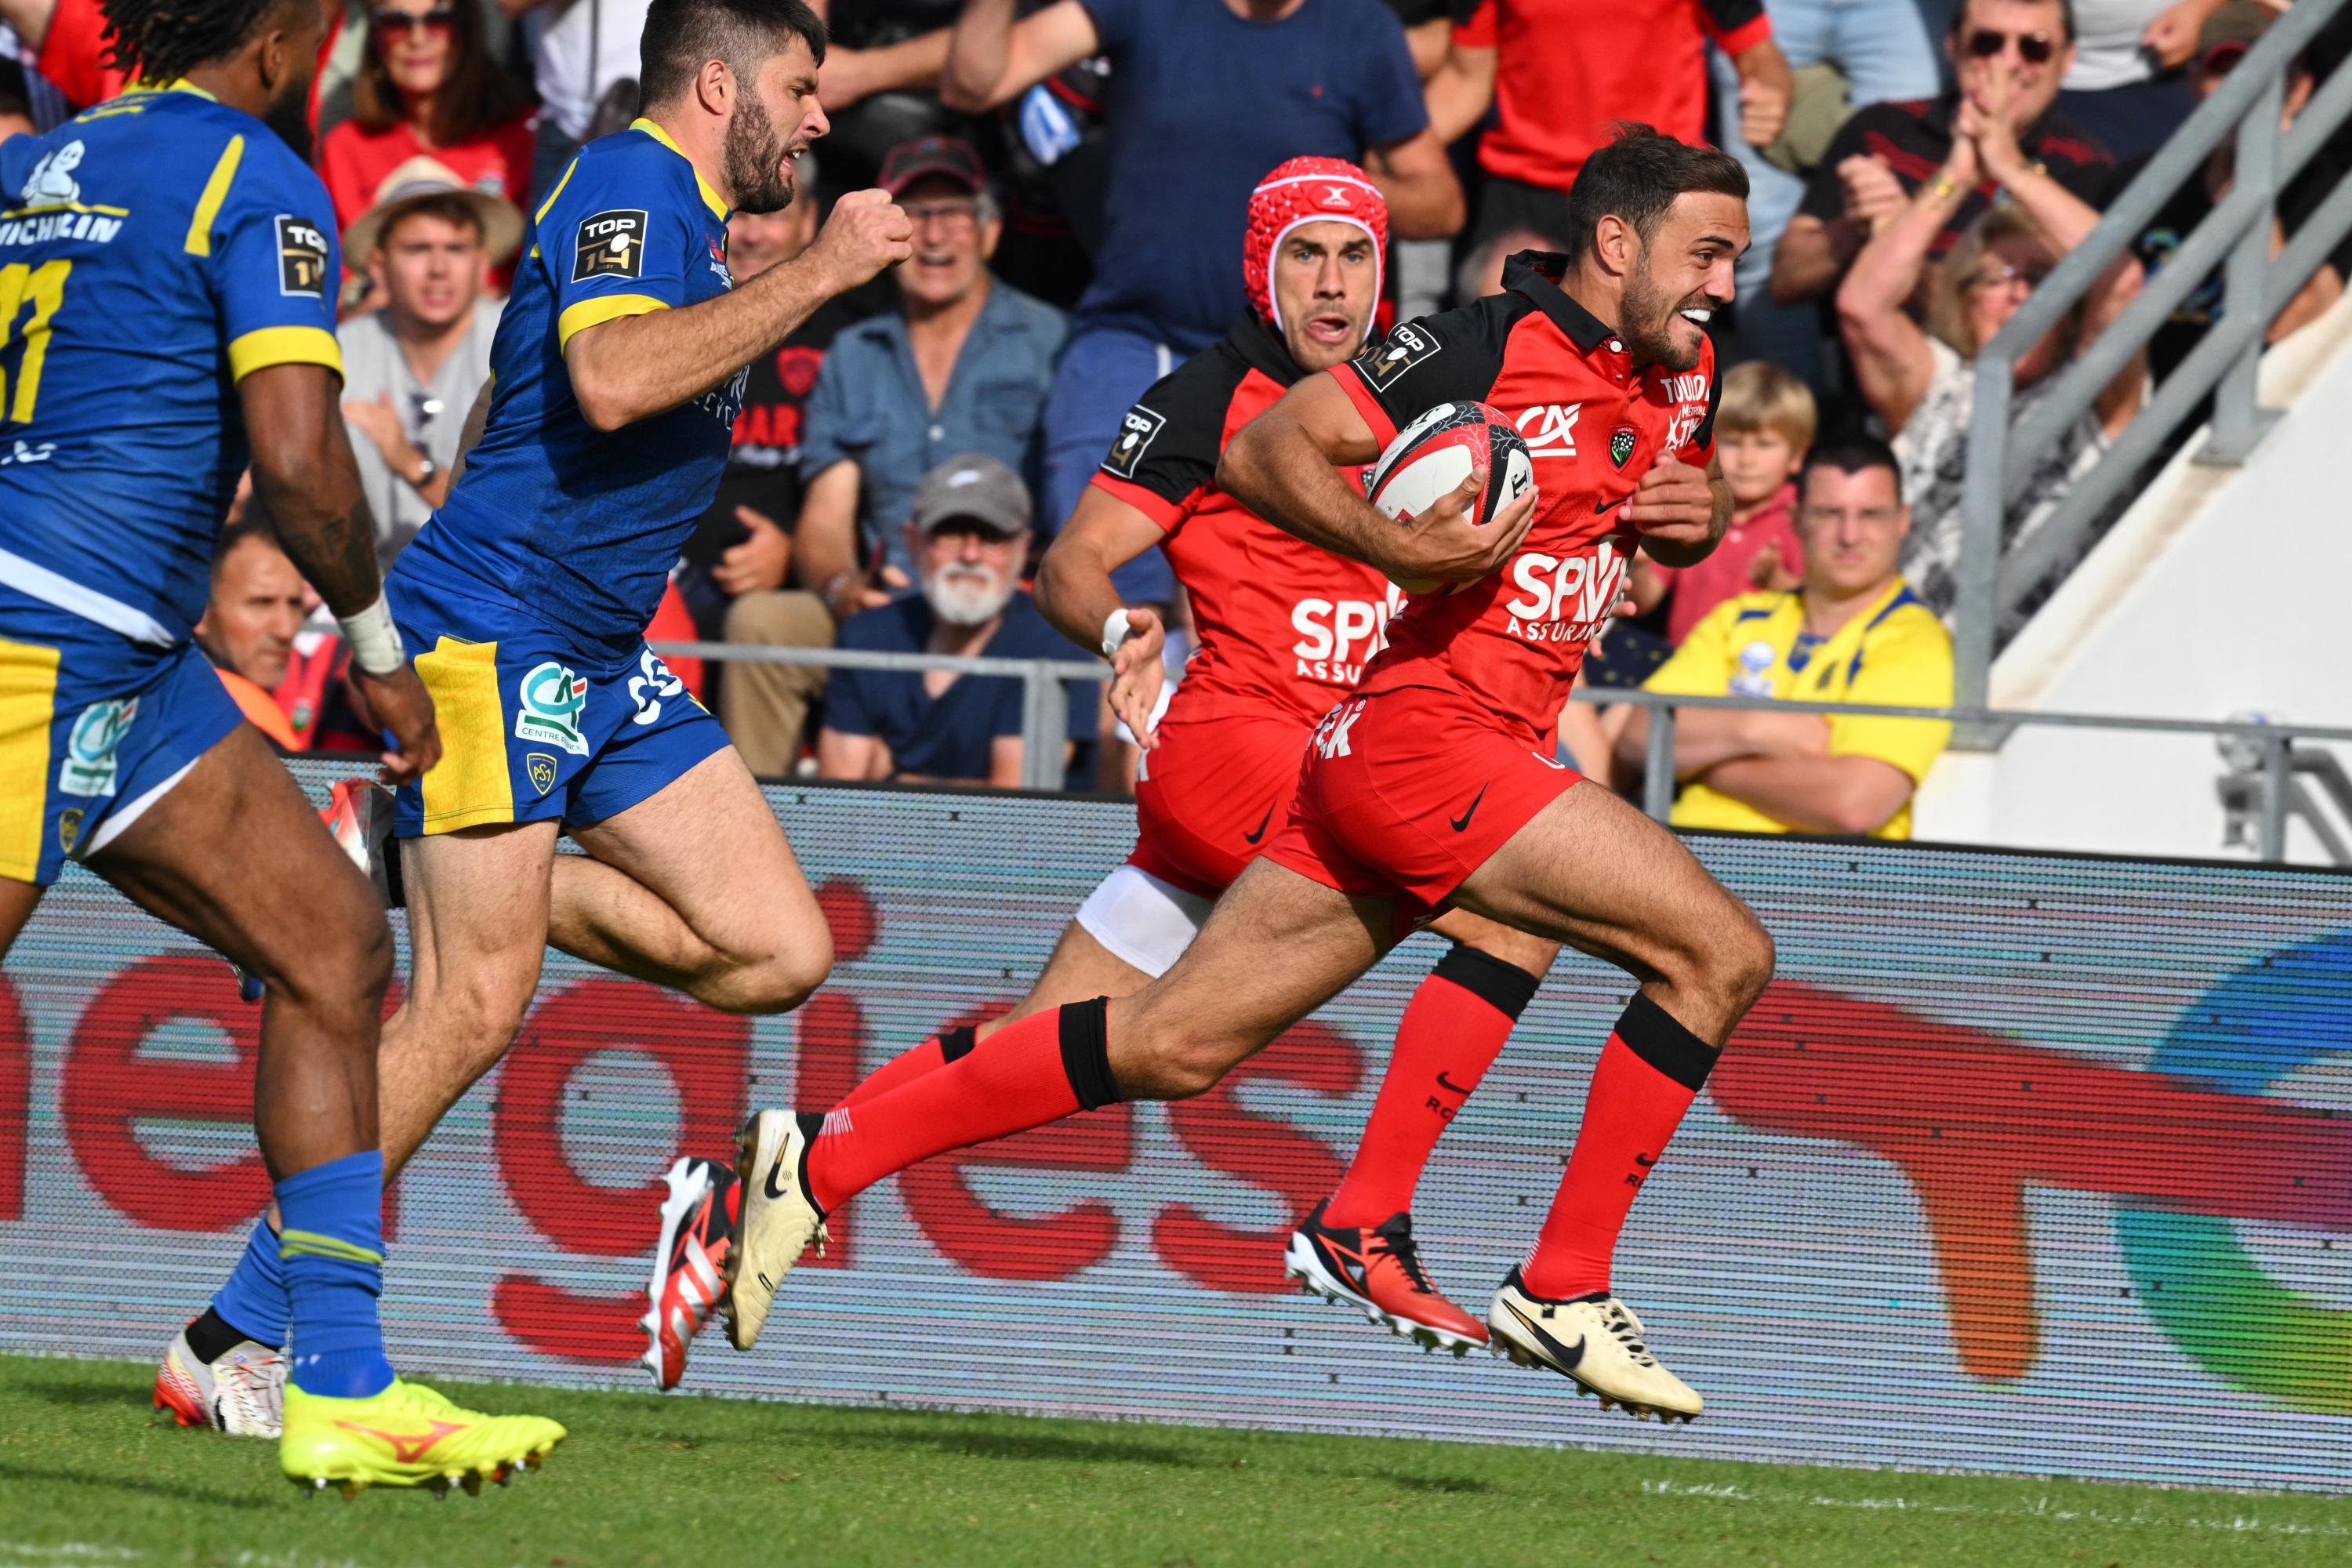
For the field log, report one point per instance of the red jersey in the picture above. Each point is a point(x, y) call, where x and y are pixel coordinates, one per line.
point(1566, 69)
point(1280, 623)
point(355, 163)
point(1512, 641)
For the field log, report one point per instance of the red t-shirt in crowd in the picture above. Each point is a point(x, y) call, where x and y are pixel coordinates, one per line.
point(1567, 70)
point(74, 55)
point(1511, 642)
point(355, 163)
point(1724, 574)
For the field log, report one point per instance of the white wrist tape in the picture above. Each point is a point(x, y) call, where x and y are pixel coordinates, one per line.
point(1114, 631)
point(375, 641)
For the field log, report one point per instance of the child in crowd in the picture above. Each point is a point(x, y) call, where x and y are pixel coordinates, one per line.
point(1763, 429)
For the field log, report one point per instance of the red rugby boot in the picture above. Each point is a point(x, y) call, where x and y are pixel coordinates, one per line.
point(689, 1267)
point(1377, 1270)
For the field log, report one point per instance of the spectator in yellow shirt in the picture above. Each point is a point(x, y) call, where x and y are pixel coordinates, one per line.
point(1852, 632)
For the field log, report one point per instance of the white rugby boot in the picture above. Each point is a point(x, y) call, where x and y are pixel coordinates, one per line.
point(1594, 1341)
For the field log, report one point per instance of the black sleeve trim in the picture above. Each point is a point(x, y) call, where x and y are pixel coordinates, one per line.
point(956, 1044)
point(1169, 441)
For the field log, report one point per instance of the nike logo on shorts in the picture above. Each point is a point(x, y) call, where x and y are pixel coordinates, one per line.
point(1262, 821)
point(1462, 822)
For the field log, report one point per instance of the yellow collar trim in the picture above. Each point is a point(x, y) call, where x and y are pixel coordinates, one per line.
point(710, 197)
point(177, 84)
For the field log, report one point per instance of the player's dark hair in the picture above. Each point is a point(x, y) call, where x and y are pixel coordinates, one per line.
point(680, 35)
point(163, 40)
point(450, 207)
point(1637, 176)
point(1852, 452)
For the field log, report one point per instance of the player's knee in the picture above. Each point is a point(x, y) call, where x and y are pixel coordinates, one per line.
point(1742, 958)
point(777, 981)
point(1178, 1064)
point(341, 966)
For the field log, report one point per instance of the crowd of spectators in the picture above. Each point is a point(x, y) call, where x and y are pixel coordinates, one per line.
point(1077, 172)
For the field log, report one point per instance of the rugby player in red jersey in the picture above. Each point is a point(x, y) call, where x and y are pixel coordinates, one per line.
point(1285, 628)
point(1433, 786)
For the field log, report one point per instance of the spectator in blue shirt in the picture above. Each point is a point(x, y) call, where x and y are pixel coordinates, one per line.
point(1206, 96)
point(962, 365)
point(969, 537)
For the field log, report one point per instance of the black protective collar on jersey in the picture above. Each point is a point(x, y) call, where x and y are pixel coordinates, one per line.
point(1263, 350)
point(1537, 275)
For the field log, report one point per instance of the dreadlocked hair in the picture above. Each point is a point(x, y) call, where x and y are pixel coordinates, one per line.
point(163, 40)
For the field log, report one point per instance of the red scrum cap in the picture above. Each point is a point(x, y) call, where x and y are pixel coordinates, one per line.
point(1308, 190)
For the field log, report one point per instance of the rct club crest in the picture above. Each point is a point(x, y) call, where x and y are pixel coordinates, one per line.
point(541, 769)
point(1620, 443)
point(551, 699)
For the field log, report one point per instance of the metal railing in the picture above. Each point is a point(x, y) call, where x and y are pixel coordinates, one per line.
point(2237, 236)
point(1045, 718)
point(1045, 705)
point(2276, 742)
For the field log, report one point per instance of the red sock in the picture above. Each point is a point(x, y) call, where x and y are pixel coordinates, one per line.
point(1455, 1023)
point(1043, 1069)
point(909, 1065)
point(1650, 1071)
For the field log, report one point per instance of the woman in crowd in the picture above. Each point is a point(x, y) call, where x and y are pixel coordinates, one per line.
point(427, 86)
point(1920, 381)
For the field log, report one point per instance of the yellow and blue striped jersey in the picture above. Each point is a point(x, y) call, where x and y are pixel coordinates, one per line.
point(153, 251)
point(1895, 652)
point(572, 527)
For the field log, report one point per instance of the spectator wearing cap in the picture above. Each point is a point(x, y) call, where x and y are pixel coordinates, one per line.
point(248, 630)
point(1996, 137)
point(962, 365)
point(968, 536)
point(1558, 73)
point(1852, 632)
point(413, 369)
point(2222, 41)
point(428, 88)
point(1207, 95)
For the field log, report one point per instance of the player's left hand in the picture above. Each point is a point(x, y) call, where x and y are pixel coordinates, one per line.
point(1674, 503)
point(400, 704)
point(1138, 675)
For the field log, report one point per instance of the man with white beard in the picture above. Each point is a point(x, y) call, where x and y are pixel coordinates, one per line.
point(969, 538)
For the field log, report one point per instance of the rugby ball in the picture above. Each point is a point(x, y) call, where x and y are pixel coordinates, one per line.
point(1434, 455)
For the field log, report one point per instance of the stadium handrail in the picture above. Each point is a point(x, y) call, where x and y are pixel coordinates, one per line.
point(2226, 363)
point(1045, 717)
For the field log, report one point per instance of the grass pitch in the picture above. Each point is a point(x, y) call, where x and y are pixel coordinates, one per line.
point(90, 1478)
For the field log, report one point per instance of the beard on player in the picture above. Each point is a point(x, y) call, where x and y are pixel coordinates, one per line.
point(759, 161)
point(1660, 326)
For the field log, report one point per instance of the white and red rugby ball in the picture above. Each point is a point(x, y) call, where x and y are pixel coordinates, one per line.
point(1430, 457)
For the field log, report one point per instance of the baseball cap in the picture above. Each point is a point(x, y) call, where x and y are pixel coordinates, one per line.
point(418, 179)
point(2230, 31)
point(950, 157)
point(975, 488)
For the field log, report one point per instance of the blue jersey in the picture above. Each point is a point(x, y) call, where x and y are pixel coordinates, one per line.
point(571, 526)
point(153, 251)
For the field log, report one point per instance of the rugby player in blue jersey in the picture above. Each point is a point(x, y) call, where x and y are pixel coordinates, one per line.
point(168, 272)
point(617, 375)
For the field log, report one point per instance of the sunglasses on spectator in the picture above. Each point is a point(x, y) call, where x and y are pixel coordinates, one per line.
point(2034, 48)
point(441, 20)
point(2007, 273)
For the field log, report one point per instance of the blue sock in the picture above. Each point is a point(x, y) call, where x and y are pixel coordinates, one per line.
point(332, 1248)
point(253, 1301)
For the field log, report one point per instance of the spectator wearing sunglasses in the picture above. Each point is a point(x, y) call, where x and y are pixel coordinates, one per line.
point(1920, 383)
point(428, 87)
point(2009, 56)
point(2222, 41)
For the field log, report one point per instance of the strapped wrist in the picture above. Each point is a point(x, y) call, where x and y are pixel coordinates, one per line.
point(374, 641)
